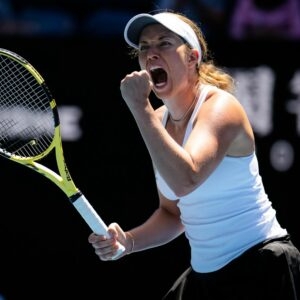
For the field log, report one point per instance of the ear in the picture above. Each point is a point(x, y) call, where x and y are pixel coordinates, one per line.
point(194, 55)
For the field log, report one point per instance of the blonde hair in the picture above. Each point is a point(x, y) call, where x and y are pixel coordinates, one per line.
point(208, 72)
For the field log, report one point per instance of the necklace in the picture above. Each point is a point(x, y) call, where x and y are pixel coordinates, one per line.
point(186, 113)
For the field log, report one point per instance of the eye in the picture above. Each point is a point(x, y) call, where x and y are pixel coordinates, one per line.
point(143, 47)
point(165, 44)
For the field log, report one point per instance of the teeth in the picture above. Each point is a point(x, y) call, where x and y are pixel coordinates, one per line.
point(154, 68)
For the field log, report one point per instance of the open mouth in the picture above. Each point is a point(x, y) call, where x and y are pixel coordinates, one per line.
point(159, 76)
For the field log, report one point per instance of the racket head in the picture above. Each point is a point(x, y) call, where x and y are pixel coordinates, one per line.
point(29, 120)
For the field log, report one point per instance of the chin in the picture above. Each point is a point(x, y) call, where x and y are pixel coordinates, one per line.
point(161, 92)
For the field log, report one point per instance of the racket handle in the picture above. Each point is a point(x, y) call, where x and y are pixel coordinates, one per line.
point(94, 221)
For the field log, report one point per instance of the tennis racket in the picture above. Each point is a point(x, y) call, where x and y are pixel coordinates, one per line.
point(30, 130)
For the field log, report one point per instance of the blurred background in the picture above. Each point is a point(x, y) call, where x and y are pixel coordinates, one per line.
point(78, 47)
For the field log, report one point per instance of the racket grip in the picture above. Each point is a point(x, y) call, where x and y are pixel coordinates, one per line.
point(94, 221)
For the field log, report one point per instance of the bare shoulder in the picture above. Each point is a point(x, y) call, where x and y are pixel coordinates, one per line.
point(221, 96)
point(222, 103)
point(228, 117)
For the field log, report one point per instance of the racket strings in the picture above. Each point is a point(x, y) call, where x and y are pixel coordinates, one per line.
point(27, 124)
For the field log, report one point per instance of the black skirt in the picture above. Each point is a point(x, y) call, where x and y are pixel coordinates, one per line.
point(268, 271)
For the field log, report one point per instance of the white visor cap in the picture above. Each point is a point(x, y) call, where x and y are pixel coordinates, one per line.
point(171, 21)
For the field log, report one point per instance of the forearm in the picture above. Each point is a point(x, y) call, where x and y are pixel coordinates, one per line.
point(161, 228)
point(173, 162)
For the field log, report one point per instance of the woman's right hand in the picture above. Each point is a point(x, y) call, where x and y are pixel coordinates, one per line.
point(107, 247)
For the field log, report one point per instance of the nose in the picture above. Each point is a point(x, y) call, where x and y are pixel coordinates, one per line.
point(152, 53)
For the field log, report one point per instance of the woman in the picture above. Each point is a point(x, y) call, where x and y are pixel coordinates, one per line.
point(203, 151)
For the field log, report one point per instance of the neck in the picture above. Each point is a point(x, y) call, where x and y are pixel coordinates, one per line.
point(187, 112)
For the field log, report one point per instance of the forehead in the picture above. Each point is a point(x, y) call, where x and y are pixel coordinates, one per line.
point(154, 31)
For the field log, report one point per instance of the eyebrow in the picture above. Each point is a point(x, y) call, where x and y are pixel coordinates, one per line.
point(164, 36)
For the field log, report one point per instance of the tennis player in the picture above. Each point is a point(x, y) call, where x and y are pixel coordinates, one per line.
point(209, 186)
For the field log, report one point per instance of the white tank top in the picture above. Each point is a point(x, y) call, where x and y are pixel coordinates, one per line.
point(229, 213)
